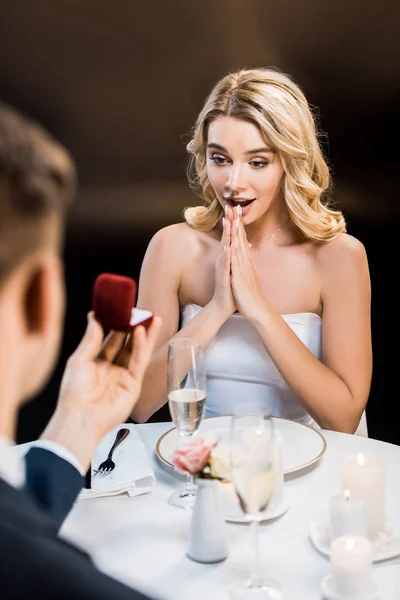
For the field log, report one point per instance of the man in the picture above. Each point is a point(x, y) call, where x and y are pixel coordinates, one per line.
point(100, 385)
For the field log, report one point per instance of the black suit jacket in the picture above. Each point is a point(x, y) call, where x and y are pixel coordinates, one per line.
point(53, 482)
point(34, 561)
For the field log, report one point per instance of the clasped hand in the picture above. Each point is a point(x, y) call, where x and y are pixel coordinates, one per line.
point(237, 281)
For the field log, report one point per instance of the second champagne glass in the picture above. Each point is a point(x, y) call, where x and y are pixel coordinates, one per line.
point(187, 392)
point(252, 475)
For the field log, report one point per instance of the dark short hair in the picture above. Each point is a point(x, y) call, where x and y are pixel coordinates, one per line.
point(37, 179)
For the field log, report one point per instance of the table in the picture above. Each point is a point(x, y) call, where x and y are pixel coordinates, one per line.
point(142, 541)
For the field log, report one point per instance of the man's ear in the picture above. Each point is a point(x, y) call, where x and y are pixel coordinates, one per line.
point(43, 297)
point(34, 301)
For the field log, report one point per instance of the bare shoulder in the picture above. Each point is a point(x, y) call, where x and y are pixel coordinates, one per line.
point(343, 264)
point(174, 240)
point(174, 234)
point(344, 250)
point(173, 248)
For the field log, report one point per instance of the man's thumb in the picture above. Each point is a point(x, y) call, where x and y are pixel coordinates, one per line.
point(92, 340)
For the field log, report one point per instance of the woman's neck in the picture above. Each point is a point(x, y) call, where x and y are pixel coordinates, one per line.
point(267, 226)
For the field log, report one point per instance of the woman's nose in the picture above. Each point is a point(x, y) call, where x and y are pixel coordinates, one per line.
point(234, 184)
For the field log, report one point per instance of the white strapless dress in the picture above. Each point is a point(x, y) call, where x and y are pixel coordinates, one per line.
point(239, 368)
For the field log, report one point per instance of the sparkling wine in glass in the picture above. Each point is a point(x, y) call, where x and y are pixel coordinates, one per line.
point(252, 475)
point(187, 392)
point(187, 408)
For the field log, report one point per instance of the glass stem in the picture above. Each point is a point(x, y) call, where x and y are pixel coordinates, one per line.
point(255, 575)
point(190, 487)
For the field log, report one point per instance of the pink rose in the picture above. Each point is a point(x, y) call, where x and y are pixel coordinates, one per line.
point(193, 454)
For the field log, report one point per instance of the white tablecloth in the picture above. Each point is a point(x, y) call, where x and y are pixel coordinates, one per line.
point(142, 541)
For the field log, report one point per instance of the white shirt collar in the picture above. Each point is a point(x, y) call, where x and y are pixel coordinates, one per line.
point(12, 464)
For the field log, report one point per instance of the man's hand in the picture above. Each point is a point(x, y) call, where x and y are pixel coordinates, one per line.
point(101, 383)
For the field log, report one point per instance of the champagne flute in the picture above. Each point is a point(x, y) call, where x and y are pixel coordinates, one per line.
point(252, 477)
point(186, 387)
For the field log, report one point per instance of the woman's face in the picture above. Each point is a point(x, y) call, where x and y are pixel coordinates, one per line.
point(241, 168)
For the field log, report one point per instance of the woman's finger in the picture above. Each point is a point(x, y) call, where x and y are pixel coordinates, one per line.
point(229, 213)
point(234, 261)
point(244, 255)
point(227, 266)
point(228, 233)
point(235, 230)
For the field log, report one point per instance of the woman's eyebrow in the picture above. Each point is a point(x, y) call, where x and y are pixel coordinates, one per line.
point(255, 151)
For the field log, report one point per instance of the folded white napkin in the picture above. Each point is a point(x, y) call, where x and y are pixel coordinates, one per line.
point(133, 473)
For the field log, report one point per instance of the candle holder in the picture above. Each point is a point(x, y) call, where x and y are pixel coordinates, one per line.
point(330, 594)
point(351, 574)
point(385, 545)
point(360, 509)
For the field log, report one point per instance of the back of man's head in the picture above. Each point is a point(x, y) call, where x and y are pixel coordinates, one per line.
point(37, 181)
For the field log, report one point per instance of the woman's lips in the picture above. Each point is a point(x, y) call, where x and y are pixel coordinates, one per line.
point(245, 205)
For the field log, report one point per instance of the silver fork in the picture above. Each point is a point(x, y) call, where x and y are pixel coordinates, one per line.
point(108, 465)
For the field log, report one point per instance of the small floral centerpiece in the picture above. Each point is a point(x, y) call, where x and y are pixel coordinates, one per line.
point(203, 457)
point(206, 460)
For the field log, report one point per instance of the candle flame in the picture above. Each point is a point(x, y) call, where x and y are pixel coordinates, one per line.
point(349, 544)
point(361, 459)
point(346, 494)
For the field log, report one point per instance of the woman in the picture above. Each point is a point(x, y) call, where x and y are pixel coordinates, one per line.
point(263, 275)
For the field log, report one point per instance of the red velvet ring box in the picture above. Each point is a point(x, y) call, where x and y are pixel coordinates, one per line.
point(114, 299)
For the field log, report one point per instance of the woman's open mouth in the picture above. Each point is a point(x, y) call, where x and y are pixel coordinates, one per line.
point(242, 202)
point(239, 201)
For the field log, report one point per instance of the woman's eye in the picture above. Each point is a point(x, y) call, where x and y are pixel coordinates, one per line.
point(219, 160)
point(258, 164)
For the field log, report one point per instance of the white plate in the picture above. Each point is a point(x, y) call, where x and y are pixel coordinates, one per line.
point(302, 445)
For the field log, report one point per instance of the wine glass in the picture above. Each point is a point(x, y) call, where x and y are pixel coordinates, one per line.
point(253, 477)
point(186, 387)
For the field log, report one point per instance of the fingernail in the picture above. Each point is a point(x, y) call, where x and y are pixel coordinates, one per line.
point(237, 223)
point(249, 245)
point(223, 221)
point(225, 249)
point(239, 210)
point(226, 209)
point(236, 244)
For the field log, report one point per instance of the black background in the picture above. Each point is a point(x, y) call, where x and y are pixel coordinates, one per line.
point(121, 84)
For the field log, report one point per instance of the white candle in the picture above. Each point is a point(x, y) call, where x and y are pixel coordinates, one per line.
point(365, 477)
point(351, 559)
point(346, 516)
point(277, 492)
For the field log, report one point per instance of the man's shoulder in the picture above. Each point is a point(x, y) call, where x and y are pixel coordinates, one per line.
point(34, 561)
point(20, 510)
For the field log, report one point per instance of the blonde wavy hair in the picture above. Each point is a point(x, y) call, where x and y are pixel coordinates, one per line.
point(276, 105)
